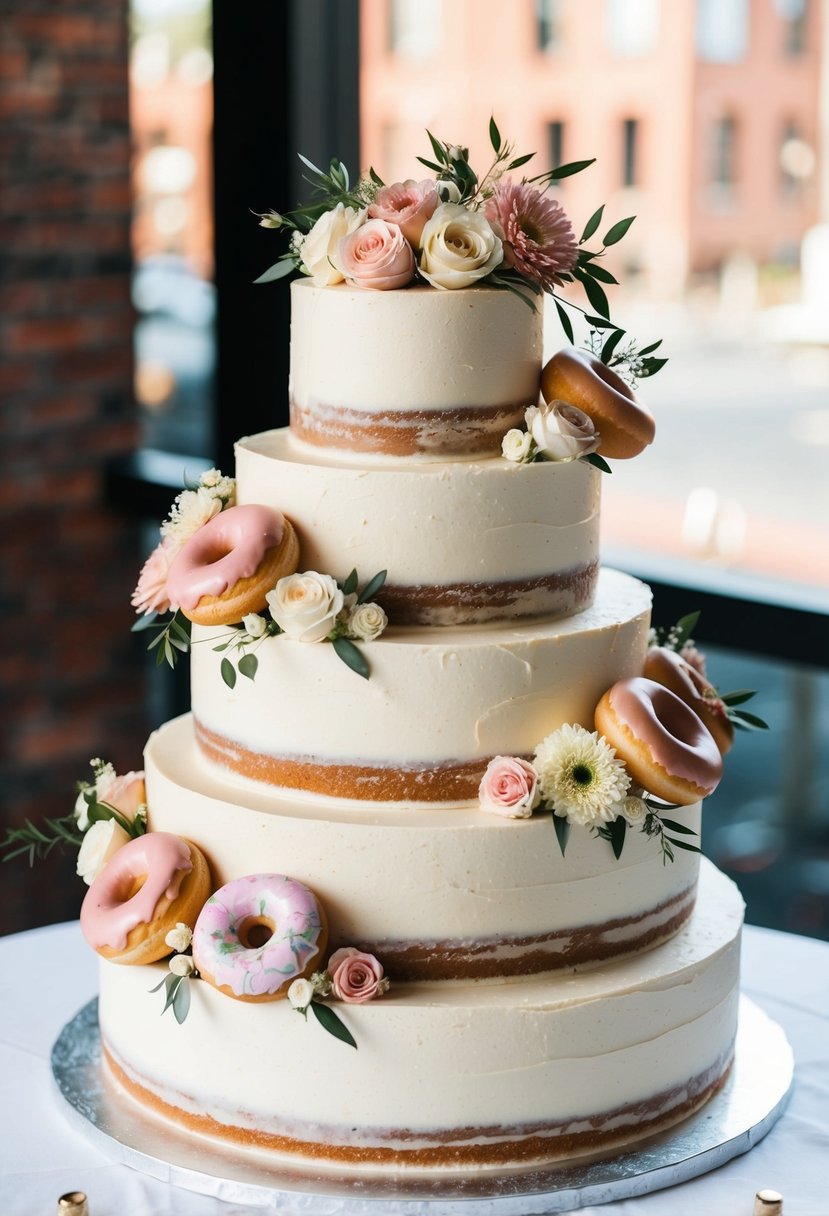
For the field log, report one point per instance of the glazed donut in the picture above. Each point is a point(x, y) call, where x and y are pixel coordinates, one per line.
point(665, 746)
point(257, 934)
point(670, 669)
point(228, 566)
point(624, 424)
point(145, 889)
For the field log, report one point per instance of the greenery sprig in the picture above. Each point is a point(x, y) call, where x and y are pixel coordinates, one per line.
point(172, 635)
point(177, 990)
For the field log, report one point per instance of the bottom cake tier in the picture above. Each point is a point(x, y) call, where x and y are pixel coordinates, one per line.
point(447, 1075)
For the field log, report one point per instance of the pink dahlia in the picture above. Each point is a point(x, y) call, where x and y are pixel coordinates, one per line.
point(538, 238)
point(150, 594)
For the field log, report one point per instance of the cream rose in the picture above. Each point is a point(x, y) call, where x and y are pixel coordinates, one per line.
point(305, 606)
point(182, 964)
point(517, 446)
point(102, 840)
point(319, 246)
point(509, 787)
point(408, 204)
point(634, 810)
point(376, 256)
point(459, 247)
point(255, 625)
point(300, 994)
point(561, 431)
point(366, 622)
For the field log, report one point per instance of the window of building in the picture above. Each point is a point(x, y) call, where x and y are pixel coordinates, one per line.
point(630, 152)
point(555, 142)
point(797, 160)
point(548, 26)
point(722, 32)
point(415, 28)
point(794, 14)
point(632, 27)
point(723, 152)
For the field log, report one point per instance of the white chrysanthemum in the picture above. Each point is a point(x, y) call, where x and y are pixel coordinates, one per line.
point(191, 511)
point(579, 775)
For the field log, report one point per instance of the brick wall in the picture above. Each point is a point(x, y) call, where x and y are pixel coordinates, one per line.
point(70, 673)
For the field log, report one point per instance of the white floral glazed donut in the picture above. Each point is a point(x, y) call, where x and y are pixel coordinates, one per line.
point(257, 934)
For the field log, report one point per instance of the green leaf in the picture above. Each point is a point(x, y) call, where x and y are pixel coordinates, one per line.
point(333, 1023)
point(566, 324)
point(617, 831)
point(595, 295)
point(372, 587)
point(248, 665)
point(677, 827)
point(144, 622)
point(597, 461)
point(592, 224)
point(494, 136)
point(351, 656)
point(430, 164)
point(181, 1002)
point(599, 322)
point(652, 366)
point(350, 584)
point(575, 166)
point(684, 627)
point(378, 181)
point(599, 272)
point(683, 844)
point(739, 697)
point(615, 234)
point(172, 983)
point(648, 350)
point(746, 721)
point(519, 161)
point(562, 827)
point(228, 673)
point(222, 646)
point(438, 149)
point(309, 164)
point(279, 270)
point(160, 984)
point(610, 345)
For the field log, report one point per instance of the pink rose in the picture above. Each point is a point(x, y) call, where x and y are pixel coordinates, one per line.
point(355, 977)
point(150, 594)
point(377, 256)
point(408, 204)
point(509, 787)
point(126, 794)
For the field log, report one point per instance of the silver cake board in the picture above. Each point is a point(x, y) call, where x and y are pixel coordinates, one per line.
point(747, 1107)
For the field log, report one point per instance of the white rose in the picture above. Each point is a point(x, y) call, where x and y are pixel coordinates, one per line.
point(634, 810)
point(561, 431)
point(255, 625)
point(182, 964)
point(300, 994)
point(320, 245)
point(458, 247)
point(82, 808)
point(191, 511)
point(449, 192)
point(367, 622)
point(179, 938)
point(305, 606)
point(101, 841)
point(517, 446)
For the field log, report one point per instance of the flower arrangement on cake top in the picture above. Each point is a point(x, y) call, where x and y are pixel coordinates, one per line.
point(461, 229)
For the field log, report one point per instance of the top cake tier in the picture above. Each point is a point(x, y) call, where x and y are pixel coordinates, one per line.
point(425, 374)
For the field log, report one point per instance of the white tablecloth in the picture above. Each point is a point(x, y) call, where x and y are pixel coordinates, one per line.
point(46, 975)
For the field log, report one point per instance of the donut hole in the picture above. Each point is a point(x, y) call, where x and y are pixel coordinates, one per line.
point(610, 378)
point(216, 552)
point(128, 886)
point(254, 932)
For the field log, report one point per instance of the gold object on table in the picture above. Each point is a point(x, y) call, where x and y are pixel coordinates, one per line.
point(768, 1203)
point(74, 1203)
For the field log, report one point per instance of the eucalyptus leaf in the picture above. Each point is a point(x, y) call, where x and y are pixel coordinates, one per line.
point(592, 224)
point(685, 626)
point(595, 295)
point(181, 1002)
point(738, 697)
point(683, 844)
point(438, 149)
point(519, 161)
point(228, 673)
point(617, 831)
point(599, 322)
point(562, 827)
point(597, 461)
point(610, 345)
point(172, 983)
point(144, 622)
point(575, 166)
point(351, 656)
point(350, 584)
point(160, 984)
point(248, 665)
point(333, 1023)
point(618, 230)
point(652, 366)
point(378, 181)
point(648, 350)
point(566, 323)
point(494, 137)
point(372, 587)
point(279, 270)
point(599, 272)
point(746, 721)
point(677, 827)
point(430, 164)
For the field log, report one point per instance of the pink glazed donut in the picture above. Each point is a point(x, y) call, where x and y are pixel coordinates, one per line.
point(145, 889)
point(257, 934)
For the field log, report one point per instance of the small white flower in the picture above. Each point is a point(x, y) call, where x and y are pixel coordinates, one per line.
point(634, 810)
point(306, 606)
point(517, 446)
point(255, 625)
point(270, 219)
point(580, 776)
point(179, 939)
point(300, 994)
point(82, 807)
point(103, 839)
point(182, 964)
point(367, 622)
point(321, 983)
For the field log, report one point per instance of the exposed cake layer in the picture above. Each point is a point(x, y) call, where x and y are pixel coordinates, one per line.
point(449, 1075)
point(462, 542)
point(424, 373)
point(439, 703)
point(452, 893)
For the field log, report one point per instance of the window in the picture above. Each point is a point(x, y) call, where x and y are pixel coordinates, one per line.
point(632, 27)
point(797, 160)
point(794, 14)
point(723, 153)
point(415, 28)
point(722, 30)
point(548, 24)
point(555, 142)
point(630, 152)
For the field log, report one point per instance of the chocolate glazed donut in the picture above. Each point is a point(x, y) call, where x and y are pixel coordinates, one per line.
point(625, 425)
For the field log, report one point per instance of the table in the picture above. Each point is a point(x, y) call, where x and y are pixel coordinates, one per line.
point(48, 974)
